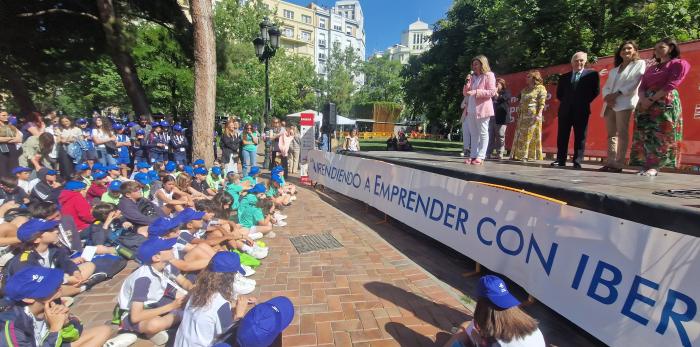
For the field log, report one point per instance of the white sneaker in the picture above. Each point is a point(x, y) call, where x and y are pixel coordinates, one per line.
point(243, 286)
point(280, 224)
point(258, 252)
point(278, 216)
point(122, 340)
point(293, 198)
point(256, 236)
point(271, 235)
point(248, 270)
point(160, 338)
point(461, 154)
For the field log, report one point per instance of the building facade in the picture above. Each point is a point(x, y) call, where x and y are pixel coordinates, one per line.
point(298, 27)
point(414, 41)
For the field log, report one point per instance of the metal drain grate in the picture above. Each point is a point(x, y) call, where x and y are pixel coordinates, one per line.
point(314, 242)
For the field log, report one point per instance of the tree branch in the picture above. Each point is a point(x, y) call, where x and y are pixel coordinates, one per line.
point(58, 11)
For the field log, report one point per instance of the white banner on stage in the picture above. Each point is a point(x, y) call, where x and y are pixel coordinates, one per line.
point(626, 283)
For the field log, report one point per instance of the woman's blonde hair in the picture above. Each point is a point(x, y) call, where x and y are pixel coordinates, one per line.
point(485, 67)
point(506, 325)
point(230, 121)
point(536, 76)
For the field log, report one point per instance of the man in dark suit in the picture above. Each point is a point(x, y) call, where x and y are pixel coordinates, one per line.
point(575, 92)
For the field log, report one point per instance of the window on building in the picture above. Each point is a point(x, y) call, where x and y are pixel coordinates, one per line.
point(348, 30)
point(322, 23)
point(306, 19)
point(288, 32)
point(321, 56)
point(305, 35)
point(288, 14)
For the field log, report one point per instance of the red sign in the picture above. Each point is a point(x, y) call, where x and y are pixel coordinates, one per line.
point(596, 140)
point(307, 119)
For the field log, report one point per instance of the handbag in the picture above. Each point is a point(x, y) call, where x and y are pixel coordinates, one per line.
point(111, 147)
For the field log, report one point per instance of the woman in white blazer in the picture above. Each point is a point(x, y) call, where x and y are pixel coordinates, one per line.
point(620, 95)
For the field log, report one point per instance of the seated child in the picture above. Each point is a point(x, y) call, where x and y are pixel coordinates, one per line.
point(214, 179)
point(186, 257)
point(200, 182)
point(73, 203)
point(39, 238)
point(209, 313)
point(98, 187)
point(97, 234)
point(285, 186)
point(148, 301)
point(113, 193)
point(135, 209)
point(36, 315)
point(274, 191)
point(169, 198)
point(250, 215)
point(236, 236)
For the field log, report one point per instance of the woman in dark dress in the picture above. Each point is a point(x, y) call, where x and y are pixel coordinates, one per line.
point(9, 138)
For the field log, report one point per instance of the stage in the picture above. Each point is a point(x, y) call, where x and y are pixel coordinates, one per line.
point(627, 195)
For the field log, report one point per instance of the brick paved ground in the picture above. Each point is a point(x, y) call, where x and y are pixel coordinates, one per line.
point(365, 294)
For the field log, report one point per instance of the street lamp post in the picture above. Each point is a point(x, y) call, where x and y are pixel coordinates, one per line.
point(265, 47)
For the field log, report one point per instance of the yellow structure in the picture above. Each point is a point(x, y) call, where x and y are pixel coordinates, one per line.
point(298, 30)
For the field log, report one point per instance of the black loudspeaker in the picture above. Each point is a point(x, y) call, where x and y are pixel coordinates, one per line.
point(329, 114)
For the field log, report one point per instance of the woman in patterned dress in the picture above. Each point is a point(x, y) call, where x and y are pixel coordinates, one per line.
point(527, 143)
point(658, 119)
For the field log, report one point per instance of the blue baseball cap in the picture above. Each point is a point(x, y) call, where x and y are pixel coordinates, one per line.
point(200, 171)
point(258, 188)
point(277, 168)
point(143, 165)
point(142, 178)
point(52, 172)
point(34, 226)
point(198, 162)
point(33, 282)
point(99, 175)
point(116, 185)
point(177, 128)
point(493, 288)
point(75, 185)
point(189, 214)
point(188, 170)
point(153, 246)
point(264, 322)
point(153, 175)
point(162, 225)
point(277, 179)
point(155, 124)
point(226, 262)
point(112, 168)
point(254, 171)
point(98, 167)
point(130, 125)
point(216, 170)
point(81, 121)
point(170, 166)
point(140, 132)
point(20, 169)
point(118, 126)
point(164, 123)
point(82, 167)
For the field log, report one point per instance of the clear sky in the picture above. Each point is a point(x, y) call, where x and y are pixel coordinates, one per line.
point(386, 19)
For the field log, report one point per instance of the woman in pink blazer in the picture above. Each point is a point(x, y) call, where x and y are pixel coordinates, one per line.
point(478, 91)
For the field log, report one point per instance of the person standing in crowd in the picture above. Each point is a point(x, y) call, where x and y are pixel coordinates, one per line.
point(352, 142)
point(52, 125)
point(499, 123)
point(165, 125)
point(123, 143)
point(277, 132)
point(66, 134)
point(575, 91)
point(179, 144)
point(33, 125)
point(249, 140)
point(10, 139)
point(88, 145)
point(324, 141)
point(103, 136)
point(294, 149)
point(142, 125)
point(479, 89)
point(36, 150)
point(230, 146)
point(621, 96)
point(527, 142)
point(658, 119)
point(156, 143)
point(498, 320)
point(139, 148)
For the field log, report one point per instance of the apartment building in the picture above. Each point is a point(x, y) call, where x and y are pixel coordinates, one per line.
point(298, 27)
point(414, 41)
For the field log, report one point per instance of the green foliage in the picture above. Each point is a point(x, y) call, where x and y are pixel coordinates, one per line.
point(382, 81)
point(342, 67)
point(525, 34)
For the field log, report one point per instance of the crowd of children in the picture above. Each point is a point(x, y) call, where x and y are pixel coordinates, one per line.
point(197, 234)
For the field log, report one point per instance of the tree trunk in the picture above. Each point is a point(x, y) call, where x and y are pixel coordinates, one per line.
point(19, 90)
point(204, 80)
point(121, 57)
